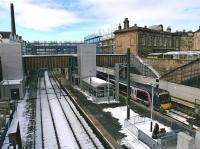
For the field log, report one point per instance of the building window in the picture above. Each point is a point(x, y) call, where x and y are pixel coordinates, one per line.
point(143, 41)
point(160, 41)
point(177, 44)
point(165, 42)
point(170, 42)
point(154, 42)
point(150, 40)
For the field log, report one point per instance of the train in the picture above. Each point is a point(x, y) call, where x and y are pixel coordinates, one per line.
point(143, 93)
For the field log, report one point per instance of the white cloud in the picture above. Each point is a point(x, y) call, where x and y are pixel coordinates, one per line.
point(44, 16)
point(143, 12)
point(101, 15)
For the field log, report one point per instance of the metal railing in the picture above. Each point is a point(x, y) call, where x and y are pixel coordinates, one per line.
point(183, 73)
point(145, 69)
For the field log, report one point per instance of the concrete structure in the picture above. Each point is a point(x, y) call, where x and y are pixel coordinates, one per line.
point(12, 85)
point(185, 141)
point(197, 138)
point(86, 60)
point(12, 70)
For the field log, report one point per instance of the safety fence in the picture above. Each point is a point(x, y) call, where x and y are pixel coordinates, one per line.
point(4, 129)
point(169, 140)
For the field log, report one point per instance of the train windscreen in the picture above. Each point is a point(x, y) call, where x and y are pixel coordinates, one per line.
point(164, 98)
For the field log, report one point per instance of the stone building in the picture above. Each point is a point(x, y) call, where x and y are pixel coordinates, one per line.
point(197, 39)
point(186, 41)
point(143, 40)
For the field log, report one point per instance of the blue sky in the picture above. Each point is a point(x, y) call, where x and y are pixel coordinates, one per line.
point(74, 19)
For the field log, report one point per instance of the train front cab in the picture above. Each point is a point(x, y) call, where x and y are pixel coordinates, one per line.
point(162, 103)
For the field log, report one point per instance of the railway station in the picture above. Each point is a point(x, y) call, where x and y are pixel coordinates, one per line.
point(70, 94)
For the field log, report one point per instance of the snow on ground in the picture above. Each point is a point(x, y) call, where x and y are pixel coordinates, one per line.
point(49, 137)
point(21, 117)
point(80, 133)
point(130, 140)
point(66, 139)
point(38, 131)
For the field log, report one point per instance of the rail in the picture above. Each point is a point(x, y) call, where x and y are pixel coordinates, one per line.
point(97, 131)
point(70, 125)
point(57, 140)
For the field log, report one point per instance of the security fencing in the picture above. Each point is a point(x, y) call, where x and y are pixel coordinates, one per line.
point(167, 141)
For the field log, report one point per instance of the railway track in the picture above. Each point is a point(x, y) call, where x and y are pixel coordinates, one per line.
point(86, 131)
point(45, 137)
point(58, 123)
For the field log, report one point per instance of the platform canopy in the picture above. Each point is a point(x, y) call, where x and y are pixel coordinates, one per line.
point(95, 82)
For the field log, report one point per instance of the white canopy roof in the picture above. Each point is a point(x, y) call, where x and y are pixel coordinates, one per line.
point(11, 82)
point(95, 82)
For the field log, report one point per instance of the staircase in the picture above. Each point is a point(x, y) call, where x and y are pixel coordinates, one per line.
point(184, 73)
point(145, 69)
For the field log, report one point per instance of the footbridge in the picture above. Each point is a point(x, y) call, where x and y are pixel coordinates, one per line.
point(54, 54)
point(35, 62)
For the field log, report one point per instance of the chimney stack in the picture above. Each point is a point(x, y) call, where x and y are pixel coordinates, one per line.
point(119, 27)
point(126, 23)
point(13, 29)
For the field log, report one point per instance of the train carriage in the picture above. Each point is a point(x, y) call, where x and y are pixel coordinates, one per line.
point(143, 93)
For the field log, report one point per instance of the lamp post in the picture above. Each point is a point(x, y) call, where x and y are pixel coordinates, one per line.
point(60, 87)
point(152, 94)
point(90, 82)
point(108, 88)
point(128, 83)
